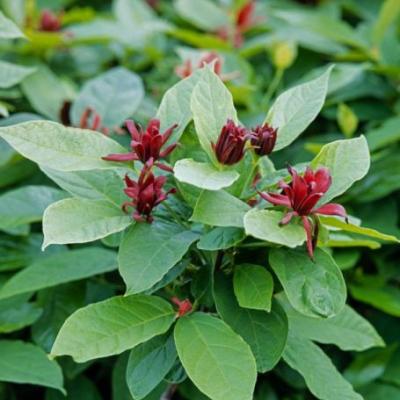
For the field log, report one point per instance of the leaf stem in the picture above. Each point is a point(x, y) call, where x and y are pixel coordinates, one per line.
point(272, 87)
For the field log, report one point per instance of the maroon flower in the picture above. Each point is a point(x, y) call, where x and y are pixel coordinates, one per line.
point(263, 139)
point(146, 194)
point(230, 144)
point(184, 306)
point(49, 22)
point(147, 145)
point(301, 196)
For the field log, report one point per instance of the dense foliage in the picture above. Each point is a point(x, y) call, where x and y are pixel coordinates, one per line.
point(199, 199)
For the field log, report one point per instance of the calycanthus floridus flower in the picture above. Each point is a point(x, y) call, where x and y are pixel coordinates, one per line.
point(49, 21)
point(146, 194)
point(301, 196)
point(231, 142)
point(263, 139)
point(147, 145)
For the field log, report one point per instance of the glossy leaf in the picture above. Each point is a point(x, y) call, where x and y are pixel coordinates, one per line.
point(216, 359)
point(149, 251)
point(63, 149)
point(204, 176)
point(295, 109)
point(253, 286)
point(314, 288)
point(60, 268)
point(221, 238)
point(264, 225)
point(83, 221)
point(112, 326)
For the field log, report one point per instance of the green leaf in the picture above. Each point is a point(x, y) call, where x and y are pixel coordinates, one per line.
point(43, 80)
point(347, 120)
point(63, 149)
point(26, 205)
point(389, 12)
point(206, 15)
point(385, 135)
point(348, 330)
point(321, 376)
point(314, 288)
point(265, 333)
point(60, 268)
point(385, 298)
point(253, 286)
point(295, 109)
point(12, 74)
point(25, 363)
point(148, 364)
point(93, 185)
point(216, 359)
point(264, 225)
point(149, 251)
point(347, 160)
point(332, 222)
point(221, 238)
point(219, 208)
point(117, 86)
point(175, 105)
point(82, 221)
point(212, 105)
point(112, 326)
point(203, 176)
point(8, 29)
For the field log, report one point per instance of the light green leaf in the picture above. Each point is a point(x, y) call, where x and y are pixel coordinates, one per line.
point(332, 222)
point(295, 109)
point(60, 268)
point(348, 330)
point(221, 238)
point(148, 364)
point(43, 80)
point(385, 135)
point(63, 149)
point(389, 12)
point(264, 225)
point(347, 160)
point(117, 86)
point(212, 105)
point(347, 120)
point(8, 29)
point(219, 208)
point(203, 176)
point(321, 376)
point(12, 74)
point(206, 15)
point(253, 286)
point(265, 333)
point(26, 205)
point(343, 240)
point(112, 326)
point(314, 288)
point(82, 221)
point(92, 185)
point(25, 363)
point(220, 363)
point(175, 105)
point(149, 251)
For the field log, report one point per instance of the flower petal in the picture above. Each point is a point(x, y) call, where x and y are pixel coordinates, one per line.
point(276, 199)
point(309, 230)
point(120, 157)
point(332, 209)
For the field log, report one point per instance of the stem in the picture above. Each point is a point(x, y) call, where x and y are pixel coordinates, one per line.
point(250, 176)
point(272, 87)
point(169, 394)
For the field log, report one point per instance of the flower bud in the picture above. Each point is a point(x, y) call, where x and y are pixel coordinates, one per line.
point(263, 138)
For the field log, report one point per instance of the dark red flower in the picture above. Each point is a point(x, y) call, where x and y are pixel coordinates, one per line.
point(184, 306)
point(146, 194)
point(185, 70)
point(49, 22)
point(263, 139)
point(230, 144)
point(147, 145)
point(301, 196)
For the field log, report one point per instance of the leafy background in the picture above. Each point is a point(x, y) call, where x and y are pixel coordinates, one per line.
point(103, 46)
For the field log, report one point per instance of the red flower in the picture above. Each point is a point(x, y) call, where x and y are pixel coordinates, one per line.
point(184, 306)
point(49, 22)
point(263, 139)
point(146, 145)
point(146, 194)
point(230, 145)
point(301, 196)
point(185, 70)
